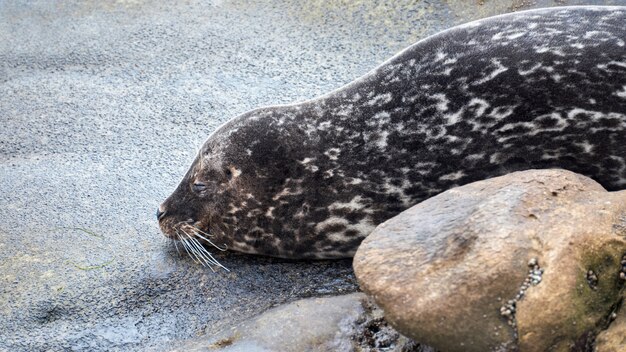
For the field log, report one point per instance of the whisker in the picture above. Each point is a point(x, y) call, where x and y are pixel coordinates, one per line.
point(194, 253)
point(202, 251)
point(198, 232)
point(187, 248)
point(197, 250)
point(176, 245)
point(197, 228)
point(208, 261)
point(207, 254)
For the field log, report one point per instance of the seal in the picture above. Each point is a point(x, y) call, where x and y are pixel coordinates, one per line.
point(530, 90)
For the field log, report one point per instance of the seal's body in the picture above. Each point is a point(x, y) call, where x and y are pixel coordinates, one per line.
point(536, 89)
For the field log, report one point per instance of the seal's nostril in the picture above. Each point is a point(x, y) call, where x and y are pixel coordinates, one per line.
point(159, 214)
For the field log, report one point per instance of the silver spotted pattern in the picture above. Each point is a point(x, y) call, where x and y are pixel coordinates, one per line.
point(537, 89)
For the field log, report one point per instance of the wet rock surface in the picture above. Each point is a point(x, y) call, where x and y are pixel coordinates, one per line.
point(531, 260)
point(102, 108)
point(342, 323)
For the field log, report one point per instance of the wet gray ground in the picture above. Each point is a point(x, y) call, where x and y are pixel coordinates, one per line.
point(102, 107)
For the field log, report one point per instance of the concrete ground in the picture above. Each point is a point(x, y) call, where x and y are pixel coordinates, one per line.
point(103, 105)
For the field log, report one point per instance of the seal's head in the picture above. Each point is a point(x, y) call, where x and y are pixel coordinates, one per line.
point(226, 197)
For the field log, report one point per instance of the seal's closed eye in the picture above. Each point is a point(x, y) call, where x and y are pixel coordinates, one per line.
point(199, 187)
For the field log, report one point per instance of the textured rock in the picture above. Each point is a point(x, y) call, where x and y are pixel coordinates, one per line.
point(343, 323)
point(613, 339)
point(448, 272)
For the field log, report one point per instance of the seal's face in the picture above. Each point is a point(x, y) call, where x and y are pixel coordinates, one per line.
point(191, 214)
point(223, 198)
point(209, 184)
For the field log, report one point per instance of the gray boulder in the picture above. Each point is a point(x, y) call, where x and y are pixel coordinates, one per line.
point(342, 323)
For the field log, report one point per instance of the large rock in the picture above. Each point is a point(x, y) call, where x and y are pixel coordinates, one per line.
point(530, 260)
point(343, 323)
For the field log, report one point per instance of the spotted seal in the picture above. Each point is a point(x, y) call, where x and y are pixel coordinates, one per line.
point(536, 89)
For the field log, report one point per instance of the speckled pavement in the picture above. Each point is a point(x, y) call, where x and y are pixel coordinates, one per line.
point(102, 108)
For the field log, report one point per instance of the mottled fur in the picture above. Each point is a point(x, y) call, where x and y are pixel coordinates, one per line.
point(537, 89)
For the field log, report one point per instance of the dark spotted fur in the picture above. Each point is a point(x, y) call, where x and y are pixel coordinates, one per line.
point(537, 89)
